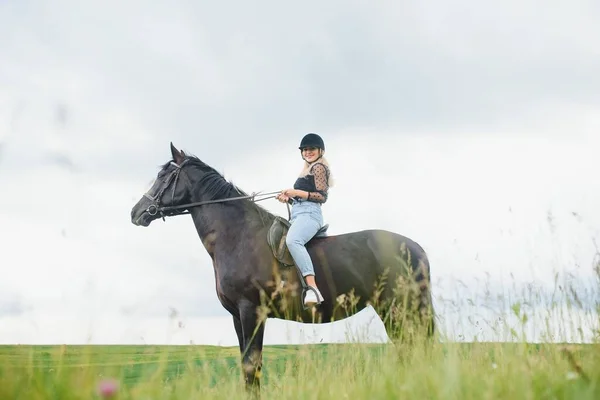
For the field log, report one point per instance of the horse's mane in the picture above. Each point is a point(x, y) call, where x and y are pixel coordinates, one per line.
point(216, 187)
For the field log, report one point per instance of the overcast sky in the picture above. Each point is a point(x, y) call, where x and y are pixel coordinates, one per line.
point(470, 127)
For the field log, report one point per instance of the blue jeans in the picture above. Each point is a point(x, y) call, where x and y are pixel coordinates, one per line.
point(306, 220)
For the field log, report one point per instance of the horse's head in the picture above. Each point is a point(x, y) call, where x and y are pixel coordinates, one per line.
point(169, 189)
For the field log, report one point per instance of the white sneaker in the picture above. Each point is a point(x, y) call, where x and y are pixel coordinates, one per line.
point(312, 298)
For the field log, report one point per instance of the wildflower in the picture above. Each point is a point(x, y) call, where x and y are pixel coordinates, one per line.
point(107, 388)
point(572, 375)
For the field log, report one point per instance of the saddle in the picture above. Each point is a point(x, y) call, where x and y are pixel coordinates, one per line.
point(276, 239)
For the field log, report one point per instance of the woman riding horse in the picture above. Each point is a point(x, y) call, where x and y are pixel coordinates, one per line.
point(310, 191)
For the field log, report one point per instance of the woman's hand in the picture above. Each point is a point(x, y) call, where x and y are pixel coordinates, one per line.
point(292, 193)
point(282, 198)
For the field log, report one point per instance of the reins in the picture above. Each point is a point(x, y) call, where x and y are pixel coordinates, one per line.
point(153, 209)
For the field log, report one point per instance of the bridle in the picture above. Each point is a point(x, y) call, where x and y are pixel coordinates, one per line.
point(155, 207)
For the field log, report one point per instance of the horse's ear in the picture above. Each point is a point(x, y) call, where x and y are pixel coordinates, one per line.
point(177, 155)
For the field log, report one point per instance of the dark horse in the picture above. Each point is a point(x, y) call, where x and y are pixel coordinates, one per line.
point(371, 267)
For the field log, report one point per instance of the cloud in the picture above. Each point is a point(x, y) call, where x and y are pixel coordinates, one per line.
point(12, 306)
point(262, 73)
point(469, 128)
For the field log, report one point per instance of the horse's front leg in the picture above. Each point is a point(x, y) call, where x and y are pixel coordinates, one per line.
point(252, 331)
point(237, 324)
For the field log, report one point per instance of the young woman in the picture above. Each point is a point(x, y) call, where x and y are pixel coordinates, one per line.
point(309, 192)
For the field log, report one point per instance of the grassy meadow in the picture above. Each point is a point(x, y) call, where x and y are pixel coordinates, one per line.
point(513, 366)
point(345, 371)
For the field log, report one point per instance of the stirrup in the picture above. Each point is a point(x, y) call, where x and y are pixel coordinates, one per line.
point(320, 298)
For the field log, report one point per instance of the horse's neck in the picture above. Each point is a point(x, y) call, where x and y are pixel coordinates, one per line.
point(221, 222)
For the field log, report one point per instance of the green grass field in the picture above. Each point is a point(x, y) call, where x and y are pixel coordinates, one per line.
point(512, 368)
point(344, 371)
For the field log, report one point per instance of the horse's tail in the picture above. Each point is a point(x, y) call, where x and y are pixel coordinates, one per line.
point(421, 271)
point(412, 294)
point(423, 279)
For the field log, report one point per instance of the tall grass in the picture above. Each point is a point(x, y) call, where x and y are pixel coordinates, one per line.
point(513, 367)
point(442, 371)
point(520, 353)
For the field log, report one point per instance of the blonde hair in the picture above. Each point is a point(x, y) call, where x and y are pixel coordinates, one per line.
point(322, 160)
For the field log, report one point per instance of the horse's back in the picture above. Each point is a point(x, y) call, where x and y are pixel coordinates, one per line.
point(359, 259)
point(378, 240)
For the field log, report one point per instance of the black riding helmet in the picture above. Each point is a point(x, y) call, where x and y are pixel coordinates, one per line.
point(312, 140)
